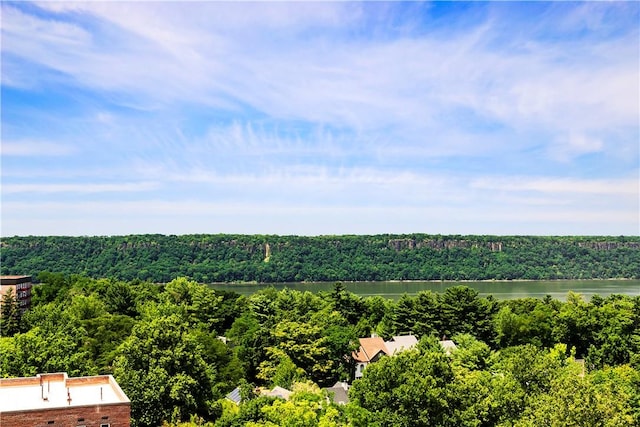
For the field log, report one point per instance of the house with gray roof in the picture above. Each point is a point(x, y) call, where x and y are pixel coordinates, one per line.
point(338, 393)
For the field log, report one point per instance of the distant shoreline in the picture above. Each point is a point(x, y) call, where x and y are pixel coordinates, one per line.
point(252, 283)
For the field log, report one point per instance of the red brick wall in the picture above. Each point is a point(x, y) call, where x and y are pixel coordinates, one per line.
point(117, 415)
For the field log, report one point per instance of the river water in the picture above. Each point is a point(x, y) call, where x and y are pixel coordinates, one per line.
point(499, 289)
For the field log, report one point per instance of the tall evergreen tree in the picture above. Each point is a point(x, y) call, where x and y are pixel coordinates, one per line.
point(9, 314)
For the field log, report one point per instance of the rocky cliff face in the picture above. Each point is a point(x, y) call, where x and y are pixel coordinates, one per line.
point(440, 244)
point(267, 252)
point(608, 246)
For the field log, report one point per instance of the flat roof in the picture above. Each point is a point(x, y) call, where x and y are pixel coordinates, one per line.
point(14, 280)
point(54, 391)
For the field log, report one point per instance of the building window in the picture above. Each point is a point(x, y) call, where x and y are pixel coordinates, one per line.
point(105, 425)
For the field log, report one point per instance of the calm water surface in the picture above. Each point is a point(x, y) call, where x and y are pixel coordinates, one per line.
point(501, 290)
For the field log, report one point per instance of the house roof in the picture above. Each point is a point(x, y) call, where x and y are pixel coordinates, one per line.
point(448, 346)
point(369, 349)
point(401, 343)
point(234, 395)
point(339, 391)
point(277, 391)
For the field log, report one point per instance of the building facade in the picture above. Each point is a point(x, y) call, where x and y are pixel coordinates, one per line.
point(50, 400)
point(21, 286)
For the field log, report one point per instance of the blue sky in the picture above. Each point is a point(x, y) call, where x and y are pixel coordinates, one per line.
point(316, 118)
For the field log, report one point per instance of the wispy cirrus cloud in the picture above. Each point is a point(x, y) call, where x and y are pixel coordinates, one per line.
point(629, 186)
point(355, 82)
point(28, 148)
point(364, 105)
point(83, 188)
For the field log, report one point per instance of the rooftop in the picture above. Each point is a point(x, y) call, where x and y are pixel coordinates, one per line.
point(339, 392)
point(369, 348)
point(401, 343)
point(234, 395)
point(48, 391)
point(277, 391)
point(448, 346)
point(14, 280)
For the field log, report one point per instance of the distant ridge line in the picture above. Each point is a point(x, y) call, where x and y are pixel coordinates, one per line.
point(210, 258)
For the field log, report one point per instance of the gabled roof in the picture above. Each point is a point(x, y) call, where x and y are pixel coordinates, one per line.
point(401, 343)
point(339, 391)
point(234, 395)
point(448, 346)
point(369, 349)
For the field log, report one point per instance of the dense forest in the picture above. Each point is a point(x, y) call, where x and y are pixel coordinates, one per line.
point(273, 259)
point(177, 349)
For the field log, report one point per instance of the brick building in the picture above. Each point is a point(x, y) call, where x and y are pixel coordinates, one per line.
point(50, 400)
point(21, 286)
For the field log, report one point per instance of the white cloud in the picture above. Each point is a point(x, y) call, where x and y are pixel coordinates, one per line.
point(27, 148)
point(560, 185)
point(575, 145)
point(84, 188)
point(288, 102)
point(202, 53)
point(197, 216)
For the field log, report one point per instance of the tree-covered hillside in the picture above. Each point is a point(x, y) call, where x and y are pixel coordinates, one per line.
point(270, 258)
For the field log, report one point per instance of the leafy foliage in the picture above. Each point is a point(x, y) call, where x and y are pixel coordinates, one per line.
point(271, 259)
point(162, 366)
point(178, 349)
